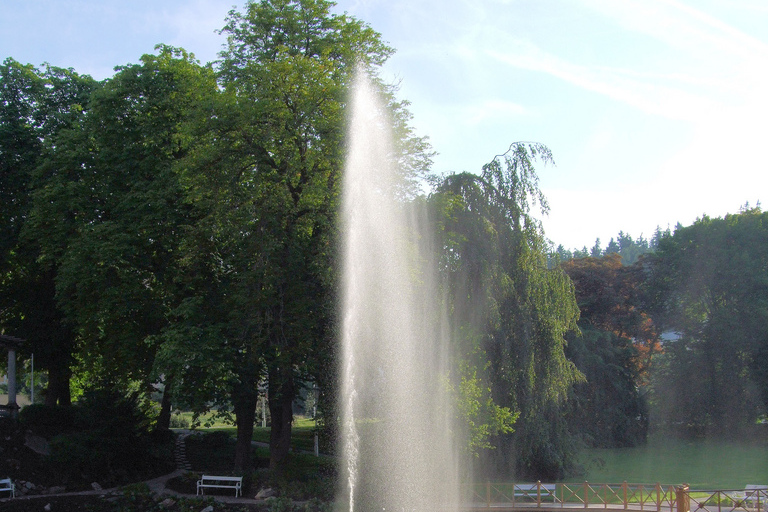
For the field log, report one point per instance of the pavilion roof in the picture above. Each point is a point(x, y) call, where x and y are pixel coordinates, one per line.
point(10, 341)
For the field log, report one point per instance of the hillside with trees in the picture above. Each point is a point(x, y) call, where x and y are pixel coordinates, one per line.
point(676, 341)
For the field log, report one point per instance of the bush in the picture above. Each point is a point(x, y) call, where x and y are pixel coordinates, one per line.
point(179, 421)
point(110, 442)
point(48, 420)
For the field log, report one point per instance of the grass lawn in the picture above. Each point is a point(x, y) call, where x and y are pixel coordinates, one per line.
point(302, 432)
point(701, 464)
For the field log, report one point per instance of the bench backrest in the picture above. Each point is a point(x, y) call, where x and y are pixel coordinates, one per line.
point(223, 478)
point(6, 483)
point(533, 487)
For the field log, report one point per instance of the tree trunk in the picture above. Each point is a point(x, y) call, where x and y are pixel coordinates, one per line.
point(57, 392)
point(244, 400)
point(281, 394)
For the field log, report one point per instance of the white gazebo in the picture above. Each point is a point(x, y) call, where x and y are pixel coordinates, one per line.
point(11, 344)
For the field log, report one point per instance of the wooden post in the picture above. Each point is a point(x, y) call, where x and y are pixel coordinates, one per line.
point(682, 499)
point(538, 493)
point(624, 493)
point(658, 497)
point(488, 494)
point(586, 494)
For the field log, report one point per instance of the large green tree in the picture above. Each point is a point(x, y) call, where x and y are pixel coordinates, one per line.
point(109, 214)
point(710, 285)
point(510, 312)
point(265, 177)
point(35, 106)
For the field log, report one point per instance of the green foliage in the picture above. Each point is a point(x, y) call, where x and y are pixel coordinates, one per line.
point(281, 504)
point(630, 250)
point(709, 285)
point(481, 416)
point(617, 343)
point(110, 441)
point(262, 179)
point(49, 420)
point(608, 409)
point(179, 421)
point(35, 107)
point(510, 312)
point(107, 210)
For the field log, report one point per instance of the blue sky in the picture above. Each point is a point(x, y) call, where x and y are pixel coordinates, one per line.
point(655, 110)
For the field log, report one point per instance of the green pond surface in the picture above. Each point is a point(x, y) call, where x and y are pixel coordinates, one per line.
point(704, 465)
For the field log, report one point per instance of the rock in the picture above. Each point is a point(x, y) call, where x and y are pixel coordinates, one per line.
point(47, 508)
point(37, 444)
point(96, 486)
point(265, 493)
point(57, 489)
point(209, 508)
point(167, 503)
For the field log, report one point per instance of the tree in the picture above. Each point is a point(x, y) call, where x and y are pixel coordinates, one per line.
point(509, 310)
point(614, 350)
point(264, 175)
point(711, 288)
point(110, 214)
point(35, 106)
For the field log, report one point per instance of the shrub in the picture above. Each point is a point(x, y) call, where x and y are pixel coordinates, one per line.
point(179, 421)
point(111, 442)
point(48, 420)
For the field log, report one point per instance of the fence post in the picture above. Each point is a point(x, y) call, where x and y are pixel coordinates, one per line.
point(586, 494)
point(488, 493)
point(624, 492)
point(682, 499)
point(538, 493)
point(658, 497)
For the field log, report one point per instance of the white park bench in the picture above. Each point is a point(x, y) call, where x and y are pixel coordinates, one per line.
point(7, 485)
point(221, 482)
point(754, 494)
point(532, 491)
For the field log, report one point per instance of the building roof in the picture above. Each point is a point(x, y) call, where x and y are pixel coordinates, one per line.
point(10, 341)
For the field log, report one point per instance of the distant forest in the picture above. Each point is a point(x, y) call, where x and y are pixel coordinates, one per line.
point(624, 245)
point(673, 333)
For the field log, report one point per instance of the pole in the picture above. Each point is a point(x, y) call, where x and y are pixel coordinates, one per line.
point(314, 417)
point(264, 411)
point(32, 381)
point(11, 377)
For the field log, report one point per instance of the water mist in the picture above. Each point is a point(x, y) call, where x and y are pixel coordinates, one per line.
point(397, 447)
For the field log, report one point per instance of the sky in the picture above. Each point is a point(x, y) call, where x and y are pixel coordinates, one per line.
point(655, 111)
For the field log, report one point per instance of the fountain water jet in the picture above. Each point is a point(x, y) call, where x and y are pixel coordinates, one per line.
point(396, 414)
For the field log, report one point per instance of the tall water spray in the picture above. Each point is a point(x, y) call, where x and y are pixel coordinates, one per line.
point(397, 442)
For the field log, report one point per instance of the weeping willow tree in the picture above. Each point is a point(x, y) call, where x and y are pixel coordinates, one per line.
point(509, 313)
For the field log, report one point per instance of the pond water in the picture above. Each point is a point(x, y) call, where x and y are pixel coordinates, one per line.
point(703, 464)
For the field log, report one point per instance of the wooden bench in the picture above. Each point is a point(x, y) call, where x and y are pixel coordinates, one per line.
point(7, 485)
point(221, 482)
point(532, 491)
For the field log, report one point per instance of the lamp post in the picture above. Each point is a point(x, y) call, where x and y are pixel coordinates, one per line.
point(32, 381)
